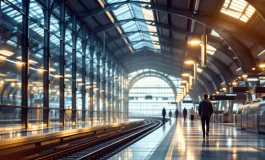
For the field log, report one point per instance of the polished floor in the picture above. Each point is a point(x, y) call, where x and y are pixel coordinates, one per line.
point(179, 140)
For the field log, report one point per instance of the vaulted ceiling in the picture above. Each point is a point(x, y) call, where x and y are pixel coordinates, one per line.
point(154, 34)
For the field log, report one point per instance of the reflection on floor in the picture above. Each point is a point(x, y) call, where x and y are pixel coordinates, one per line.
point(183, 140)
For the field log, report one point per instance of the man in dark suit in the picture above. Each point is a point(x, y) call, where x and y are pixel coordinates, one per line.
point(205, 111)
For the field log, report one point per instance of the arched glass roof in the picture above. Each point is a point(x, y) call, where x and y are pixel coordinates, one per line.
point(144, 27)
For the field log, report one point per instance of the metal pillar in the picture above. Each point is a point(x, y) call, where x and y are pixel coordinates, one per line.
point(113, 91)
point(109, 91)
point(74, 39)
point(248, 94)
point(46, 64)
point(84, 45)
point(104, 88)
point(91, 75)
point(62, 62)
point(25, 59)
point(117, 93)
point(98, 86)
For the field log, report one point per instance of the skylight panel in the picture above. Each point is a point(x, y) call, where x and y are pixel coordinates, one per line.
point(130, 26)
point(238, 9)
point(145, 1)
point(199, 70)
point(148, 14)
point(151, 28)
point(135, 37)
point(156, 46)
point(148, 44)
point(153, 38)
point(213, 33)
point(211, 50)
point(123, 13)
point(130, 11)
point(139, 45)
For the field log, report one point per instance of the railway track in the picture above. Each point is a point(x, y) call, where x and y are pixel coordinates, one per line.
point(101, 147)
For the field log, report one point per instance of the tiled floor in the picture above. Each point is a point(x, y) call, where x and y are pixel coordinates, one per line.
point(183, 140)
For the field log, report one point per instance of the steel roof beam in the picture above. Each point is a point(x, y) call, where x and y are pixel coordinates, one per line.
point(221, 26)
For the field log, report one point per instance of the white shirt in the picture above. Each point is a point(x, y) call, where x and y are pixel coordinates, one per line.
point(192, 112)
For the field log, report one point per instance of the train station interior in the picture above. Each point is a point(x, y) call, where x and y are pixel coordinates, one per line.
point(88, 79)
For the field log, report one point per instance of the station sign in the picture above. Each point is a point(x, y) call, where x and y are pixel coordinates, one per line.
point(224, 97)
point(240, 89)
point(186, 101)
point(259, 90)
point(148, 97)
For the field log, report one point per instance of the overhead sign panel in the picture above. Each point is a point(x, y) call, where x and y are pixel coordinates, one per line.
point(239, 89)
point(259, 89)
point(186, 101)
point(223, 97)
point(148, 97)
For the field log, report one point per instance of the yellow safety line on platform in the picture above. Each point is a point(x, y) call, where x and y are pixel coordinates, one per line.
point(171, 147)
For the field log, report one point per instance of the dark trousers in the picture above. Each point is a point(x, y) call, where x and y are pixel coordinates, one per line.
point(205, 119)
point(184, 117)
point(192, 117)
point(164, 119)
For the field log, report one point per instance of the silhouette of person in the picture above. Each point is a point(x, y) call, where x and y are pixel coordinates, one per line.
point(164, 114)
point(185, 114)
point(205, 111)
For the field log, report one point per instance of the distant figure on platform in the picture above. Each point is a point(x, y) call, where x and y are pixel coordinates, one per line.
point(170, 114)
point(192, 113)
point(176, 113)
point(205, 111)
point(185, 114)
point(164, 114)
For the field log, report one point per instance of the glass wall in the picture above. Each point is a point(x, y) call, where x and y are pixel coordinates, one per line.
point(52, 62)
point(149, 95)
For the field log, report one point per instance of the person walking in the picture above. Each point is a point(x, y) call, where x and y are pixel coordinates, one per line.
point(192, 113)
point(205, 111)
point(176, 113)
point(185, 114)
point(164, 114)
point(170, 114)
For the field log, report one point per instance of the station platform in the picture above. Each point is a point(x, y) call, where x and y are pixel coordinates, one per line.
point(12, 133)
point(40, 136)
point(183, 141)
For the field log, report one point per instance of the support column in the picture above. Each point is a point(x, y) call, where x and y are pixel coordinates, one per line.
point(25, 59)
point(84, 45)
point(109, 91)
point(62, 62)
point(98, 87)
point(248, 94)
point(117, 93)
point(91, 75)
point(74, 39)
point(46, 64)
point(257, 95)
point(104, 88)
point(113, 92)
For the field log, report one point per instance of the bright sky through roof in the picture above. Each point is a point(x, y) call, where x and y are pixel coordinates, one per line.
point(238, 9)
point(131, 11)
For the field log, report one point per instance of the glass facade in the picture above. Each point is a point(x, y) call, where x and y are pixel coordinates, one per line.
point(53, 71)
point(149, 95)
